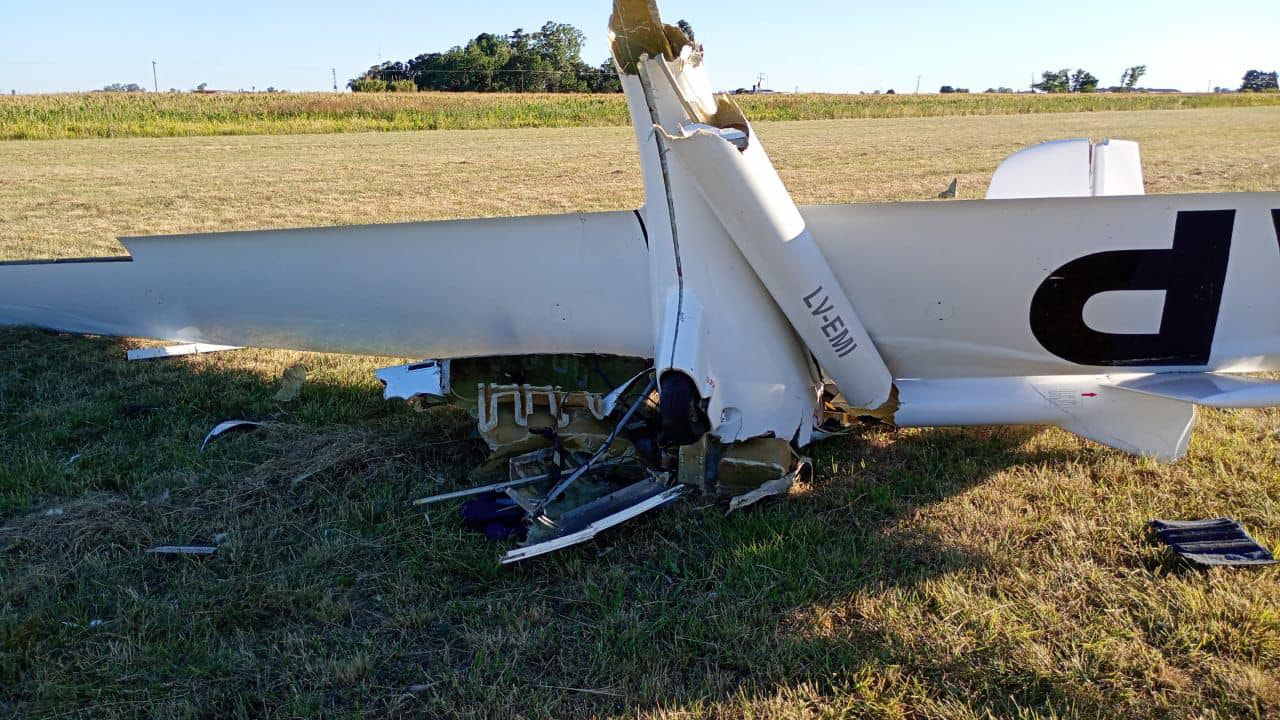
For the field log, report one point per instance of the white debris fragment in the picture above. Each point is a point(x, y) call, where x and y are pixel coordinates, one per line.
point(773, 488)
point(781, 486)
point(595, 528)
point(429, 378)
point(197, 550)
point(226, 427)
point(177, 351)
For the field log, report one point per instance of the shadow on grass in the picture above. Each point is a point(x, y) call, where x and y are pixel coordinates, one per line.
point(330, 597)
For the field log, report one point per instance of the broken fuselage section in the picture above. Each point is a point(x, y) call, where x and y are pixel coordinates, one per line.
point(752, 332)
point(758, 347)
point(576, 446)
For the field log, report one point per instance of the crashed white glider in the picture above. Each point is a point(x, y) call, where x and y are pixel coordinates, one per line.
point(1067, 298)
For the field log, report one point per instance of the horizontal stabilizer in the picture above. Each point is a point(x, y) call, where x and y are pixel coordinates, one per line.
point(1089, 406)
point(1208, 389)
point(1155, 427)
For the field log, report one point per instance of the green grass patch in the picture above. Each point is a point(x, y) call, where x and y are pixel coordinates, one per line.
point(933, 573)
point(964, 574)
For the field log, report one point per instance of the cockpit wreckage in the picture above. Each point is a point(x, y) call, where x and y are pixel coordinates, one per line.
point(616, 361)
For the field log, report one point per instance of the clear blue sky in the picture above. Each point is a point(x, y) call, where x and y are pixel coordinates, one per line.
point(813, 45)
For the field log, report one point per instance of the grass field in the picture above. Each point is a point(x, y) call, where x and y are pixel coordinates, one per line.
point(922, 574)
point(108, 115)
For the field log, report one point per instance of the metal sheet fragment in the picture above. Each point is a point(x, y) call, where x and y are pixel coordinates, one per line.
point(502, 486)
point(195, 550)
point(589, 532)
point(429, 378)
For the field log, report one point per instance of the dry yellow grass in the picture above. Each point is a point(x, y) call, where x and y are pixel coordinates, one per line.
point(63, 199)
point(923, 574)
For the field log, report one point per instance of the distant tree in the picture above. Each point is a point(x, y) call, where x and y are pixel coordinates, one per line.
point(605, 78)
point(686, 28)
point(1054, 82)
point(367, 84)
point(1082, 81)
point(1258, 81)
point(202, 87)
point(946, 89)
point(124, 88)
point(890, 91)
point(1129, 80)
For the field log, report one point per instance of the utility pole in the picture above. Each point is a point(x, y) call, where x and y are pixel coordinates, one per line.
point(154, 77)
point(335, 79)
point(918, 79)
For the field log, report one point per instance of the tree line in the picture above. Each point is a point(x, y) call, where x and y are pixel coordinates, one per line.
point(548, 61)
point(1083, 81)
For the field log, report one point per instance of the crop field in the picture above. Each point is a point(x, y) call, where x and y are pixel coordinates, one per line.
point(113, 115)
point(999, 572)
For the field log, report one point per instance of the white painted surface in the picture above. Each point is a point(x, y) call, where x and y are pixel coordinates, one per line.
point(1117, 168)
point(1209, 390)
point(750, 201)
point(945, 289)
point(1070, 168)
point(1060, 168)
point(711, 317)
point(554, 284)
point(1089, 406)
point(487, 287)
point(1132, 312)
